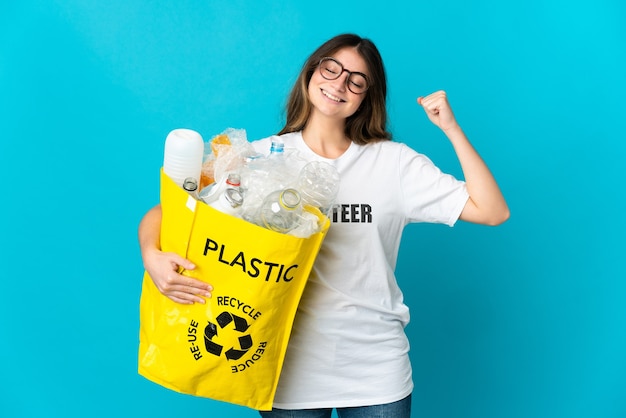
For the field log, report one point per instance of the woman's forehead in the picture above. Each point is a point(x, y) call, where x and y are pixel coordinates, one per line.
point(351, 59)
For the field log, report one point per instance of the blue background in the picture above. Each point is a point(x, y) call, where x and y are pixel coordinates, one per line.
point(523, 320)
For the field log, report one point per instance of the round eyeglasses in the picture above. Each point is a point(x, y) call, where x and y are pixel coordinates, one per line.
point(331, 69)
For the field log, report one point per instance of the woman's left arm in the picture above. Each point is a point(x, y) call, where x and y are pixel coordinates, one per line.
point(486, 204)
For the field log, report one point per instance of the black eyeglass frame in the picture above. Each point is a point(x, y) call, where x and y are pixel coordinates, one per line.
point(319, 67)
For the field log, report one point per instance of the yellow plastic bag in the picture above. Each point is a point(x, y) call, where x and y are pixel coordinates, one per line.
point(231, 348)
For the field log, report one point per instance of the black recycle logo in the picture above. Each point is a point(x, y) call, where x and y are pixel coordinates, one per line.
point(223, 320)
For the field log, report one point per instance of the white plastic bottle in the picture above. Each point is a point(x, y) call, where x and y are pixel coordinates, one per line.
point(212, 192)
point(184, 151)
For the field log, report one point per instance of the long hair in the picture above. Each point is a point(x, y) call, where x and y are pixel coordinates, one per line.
point(369, 122)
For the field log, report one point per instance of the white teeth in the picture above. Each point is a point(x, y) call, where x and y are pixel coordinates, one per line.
point(330, 96)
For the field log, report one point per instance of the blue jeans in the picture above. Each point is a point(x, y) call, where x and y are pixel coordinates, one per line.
point(399, 409)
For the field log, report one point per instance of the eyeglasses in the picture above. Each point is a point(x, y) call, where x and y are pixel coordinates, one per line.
point(331, 69)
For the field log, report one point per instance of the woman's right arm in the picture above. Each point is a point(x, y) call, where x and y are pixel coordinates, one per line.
point(163, 267)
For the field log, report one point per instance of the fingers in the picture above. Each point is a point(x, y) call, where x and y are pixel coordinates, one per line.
point(438, 110)
point(184, 289)
point(170, 274)
point(194, 285)
point(182, 262)
point(434, 101)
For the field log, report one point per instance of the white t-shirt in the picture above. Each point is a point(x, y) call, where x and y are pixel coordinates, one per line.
point(348, 346)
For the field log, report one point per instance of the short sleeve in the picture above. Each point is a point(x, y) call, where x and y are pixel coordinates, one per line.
point(429, 195)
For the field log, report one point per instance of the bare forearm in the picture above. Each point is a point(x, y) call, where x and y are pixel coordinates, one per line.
point(150, 230)
point(487, 204)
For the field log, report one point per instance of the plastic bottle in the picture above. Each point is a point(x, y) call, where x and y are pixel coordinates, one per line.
point(253, 186)
point(212, 192)
point(318, 183)
point(233, 180)
point(184, 151)
point(278, 173)
point(281, 210)
point(229, 202)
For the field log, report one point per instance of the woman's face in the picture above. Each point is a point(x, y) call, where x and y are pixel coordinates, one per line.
point(333, 98)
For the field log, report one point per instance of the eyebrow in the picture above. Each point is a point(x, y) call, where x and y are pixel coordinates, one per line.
point(344, 67)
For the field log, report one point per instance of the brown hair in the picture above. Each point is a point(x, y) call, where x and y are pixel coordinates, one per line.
point(369, 122)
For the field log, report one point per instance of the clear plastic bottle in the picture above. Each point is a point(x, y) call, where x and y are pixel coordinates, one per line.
point(278, 171)
point(229, 202)
point(318, 183)
point(253, 185)
point(281, 210)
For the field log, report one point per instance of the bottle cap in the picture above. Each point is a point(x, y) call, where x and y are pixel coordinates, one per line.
point(277, 147)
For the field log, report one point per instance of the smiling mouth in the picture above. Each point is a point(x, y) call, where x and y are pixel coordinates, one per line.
point(332, 97)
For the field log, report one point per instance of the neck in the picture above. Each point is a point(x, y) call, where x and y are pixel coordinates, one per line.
point(326, 137)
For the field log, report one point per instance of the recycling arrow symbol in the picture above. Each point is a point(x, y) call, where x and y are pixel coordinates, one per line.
point(223, 320)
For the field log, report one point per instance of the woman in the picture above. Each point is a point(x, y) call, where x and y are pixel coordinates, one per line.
point(348, 349)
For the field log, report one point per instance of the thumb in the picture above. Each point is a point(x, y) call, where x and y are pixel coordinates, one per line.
point(419, 100)
point(182, 262)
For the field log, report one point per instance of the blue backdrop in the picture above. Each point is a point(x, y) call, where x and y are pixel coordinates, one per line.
point(524, 320)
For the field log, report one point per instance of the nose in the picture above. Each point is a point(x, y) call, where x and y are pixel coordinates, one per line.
point(342, 80)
